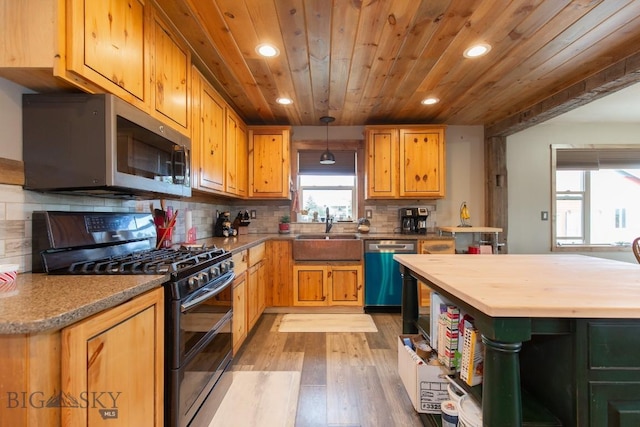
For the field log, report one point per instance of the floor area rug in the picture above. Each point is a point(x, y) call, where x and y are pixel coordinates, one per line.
point(259, 399)
point(327, 322)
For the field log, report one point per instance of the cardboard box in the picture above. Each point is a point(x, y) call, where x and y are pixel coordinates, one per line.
point(425, 383)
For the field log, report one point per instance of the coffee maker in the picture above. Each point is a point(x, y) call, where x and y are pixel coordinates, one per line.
point(413, 220)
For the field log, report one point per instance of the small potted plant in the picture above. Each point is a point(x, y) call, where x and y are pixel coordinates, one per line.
point(283, 227)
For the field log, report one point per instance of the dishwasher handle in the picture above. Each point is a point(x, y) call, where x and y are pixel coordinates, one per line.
point(394, 247)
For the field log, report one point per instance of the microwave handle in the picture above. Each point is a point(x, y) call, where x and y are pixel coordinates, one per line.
point(185, 168)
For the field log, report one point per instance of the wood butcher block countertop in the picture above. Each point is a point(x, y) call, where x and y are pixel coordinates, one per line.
point(551, 286)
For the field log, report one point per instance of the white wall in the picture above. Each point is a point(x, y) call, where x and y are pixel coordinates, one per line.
point(11, 119)
point(529, 175)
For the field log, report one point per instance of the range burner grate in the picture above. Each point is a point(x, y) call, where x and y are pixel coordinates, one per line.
point(152, 261)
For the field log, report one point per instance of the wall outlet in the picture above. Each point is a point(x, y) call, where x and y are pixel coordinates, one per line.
point(544, 216)
point(253, 214)
point(368, 213)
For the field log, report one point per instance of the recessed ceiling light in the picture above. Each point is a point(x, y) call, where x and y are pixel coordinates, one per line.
point(430, 101)
point(284, 101)
point(267, 50)
point(477, 50)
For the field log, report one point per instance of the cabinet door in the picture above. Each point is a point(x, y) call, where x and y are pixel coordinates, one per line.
point(346, 285)
point(117, 357)
point(239, 311)
point(310, 285)
point(432, 246)
point(253, 295)
point(211, 139)
point(422, 165)
point(231, 181)
point(242, 160)
point(107, 44)
point(269, 163)
point(171, 64)
point(279, 268)
point(382, 163)
point(262, 287)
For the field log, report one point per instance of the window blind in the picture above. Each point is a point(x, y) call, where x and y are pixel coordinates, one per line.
point(597, 158)
point(309, 163)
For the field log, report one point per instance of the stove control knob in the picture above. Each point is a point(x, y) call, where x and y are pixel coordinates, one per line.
point(231, 264)
point(192, 283)
point(224, 267)
point(203, 278)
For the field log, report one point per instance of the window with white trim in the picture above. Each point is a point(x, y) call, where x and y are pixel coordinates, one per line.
point(596, 195)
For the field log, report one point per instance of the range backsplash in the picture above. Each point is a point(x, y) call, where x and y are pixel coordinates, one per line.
point(17, 205)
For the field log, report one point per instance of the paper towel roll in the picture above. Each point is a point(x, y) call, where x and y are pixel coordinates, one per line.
point(188, 222)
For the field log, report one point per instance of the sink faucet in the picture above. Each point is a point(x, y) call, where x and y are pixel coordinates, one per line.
point(328, 222)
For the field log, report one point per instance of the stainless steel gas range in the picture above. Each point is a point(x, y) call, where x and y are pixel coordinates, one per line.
point(198, 299)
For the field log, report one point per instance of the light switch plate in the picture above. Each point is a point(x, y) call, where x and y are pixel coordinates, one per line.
point(544, 216)
point(253, 214)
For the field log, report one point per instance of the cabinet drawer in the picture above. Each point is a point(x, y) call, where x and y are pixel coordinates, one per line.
point(239, 262)
point(437, 246)
point(613, 345)
point(256, 253)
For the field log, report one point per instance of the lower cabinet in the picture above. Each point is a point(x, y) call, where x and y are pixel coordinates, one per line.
point(432, 246)
point(327, 285)
point(256, 286)
point(239, 322)
point(255, 293)
point(113, 362)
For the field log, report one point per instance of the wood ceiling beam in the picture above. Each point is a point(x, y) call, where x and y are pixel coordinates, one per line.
point(611, 79)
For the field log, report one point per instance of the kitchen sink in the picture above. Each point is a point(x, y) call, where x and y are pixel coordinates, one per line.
point(326, 236)
point(327, 247)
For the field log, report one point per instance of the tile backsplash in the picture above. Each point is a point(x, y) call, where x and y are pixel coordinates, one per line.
point(17, 206)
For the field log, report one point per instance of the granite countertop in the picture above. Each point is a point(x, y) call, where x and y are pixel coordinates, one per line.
point(51, 302)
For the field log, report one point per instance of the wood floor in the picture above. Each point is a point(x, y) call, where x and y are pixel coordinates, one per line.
point(346, 379)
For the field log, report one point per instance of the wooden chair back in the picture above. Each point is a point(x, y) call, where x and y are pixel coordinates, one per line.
point(636, 248)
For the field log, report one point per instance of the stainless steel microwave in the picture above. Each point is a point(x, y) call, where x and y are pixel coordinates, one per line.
point(98, 144)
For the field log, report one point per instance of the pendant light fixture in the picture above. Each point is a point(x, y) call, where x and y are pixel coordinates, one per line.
point(327, 158)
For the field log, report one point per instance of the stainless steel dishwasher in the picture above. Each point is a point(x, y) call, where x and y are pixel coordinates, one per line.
point(382, 279)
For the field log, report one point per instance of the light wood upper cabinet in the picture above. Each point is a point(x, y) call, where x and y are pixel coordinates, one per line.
point(171, 68)
point(207, 136)
point(382, 162)
point(269, 162)
point(107, 44)
point(407, 162)
point(422, 162)
point(120, 351)
point(242, 154)
point(218, 140)
point(236, 146)
point(121, 47)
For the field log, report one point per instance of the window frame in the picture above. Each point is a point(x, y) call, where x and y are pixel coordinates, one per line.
point(586, 201)
point(356, 145)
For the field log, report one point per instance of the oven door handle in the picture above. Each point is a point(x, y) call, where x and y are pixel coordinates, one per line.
point(207, 292)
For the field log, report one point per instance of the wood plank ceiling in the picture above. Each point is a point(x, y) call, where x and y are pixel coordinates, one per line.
point(373, 61)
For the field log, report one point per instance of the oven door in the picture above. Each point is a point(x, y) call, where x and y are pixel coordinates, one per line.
point(204, 341)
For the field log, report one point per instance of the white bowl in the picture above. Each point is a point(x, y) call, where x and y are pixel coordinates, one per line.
point(8, 283)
